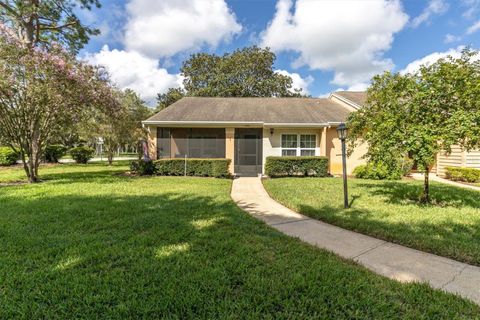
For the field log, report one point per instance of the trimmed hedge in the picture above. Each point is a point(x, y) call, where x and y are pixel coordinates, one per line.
point(142, 167)
point(463, 174)
point(82, 154)
point(296, 166)
point(8, 157)
point(217, 168)
point(54, 152)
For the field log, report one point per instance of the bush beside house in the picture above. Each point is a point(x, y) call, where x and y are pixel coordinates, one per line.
point(143, 168)
point(82, 154)
point(296, 166)
point(380, 171)
point(217, 168)
point(463, 174)
point(8, 157)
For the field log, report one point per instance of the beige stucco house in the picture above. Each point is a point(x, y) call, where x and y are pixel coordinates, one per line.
point(248, 130)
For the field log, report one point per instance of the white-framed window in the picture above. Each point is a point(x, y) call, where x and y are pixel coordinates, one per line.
point(289, 145)
point(298, 144)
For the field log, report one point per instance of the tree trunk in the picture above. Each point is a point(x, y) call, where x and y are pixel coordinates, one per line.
point(34, 152)
point(110, 157)
point(426, 186)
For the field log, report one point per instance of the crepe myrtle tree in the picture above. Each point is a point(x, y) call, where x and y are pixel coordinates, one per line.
point(45, 22)
point(42, 92)
point(122, 127)
point(419, 115)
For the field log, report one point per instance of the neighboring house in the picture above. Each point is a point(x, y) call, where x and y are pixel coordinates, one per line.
point(248, 130)
point(457, 158)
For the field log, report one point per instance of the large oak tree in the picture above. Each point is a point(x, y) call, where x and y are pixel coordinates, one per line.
point(45, 22)
point(246, 72)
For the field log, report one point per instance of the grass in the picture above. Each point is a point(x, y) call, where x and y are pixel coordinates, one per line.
point(89, 242)
point(389, 210)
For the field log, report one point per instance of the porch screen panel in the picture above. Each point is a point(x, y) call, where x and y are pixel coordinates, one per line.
point(198, 142)
point(163, 143)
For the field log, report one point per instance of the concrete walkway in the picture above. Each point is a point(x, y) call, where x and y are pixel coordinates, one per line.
point(385, 258)
point(433, 177)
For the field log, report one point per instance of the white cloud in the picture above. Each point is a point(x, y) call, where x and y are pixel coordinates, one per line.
point(348, 37)
point(297, 81)
point(135, 71)
point(474, 28)
point(449, 38)
point(164, 28)
point(359, 87)
point(414, 66)
point(435, 7)
point(472, 6)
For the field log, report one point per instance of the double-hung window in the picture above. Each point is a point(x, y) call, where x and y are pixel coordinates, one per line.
point(289, 145)
point(307, 144)
point(298, 144)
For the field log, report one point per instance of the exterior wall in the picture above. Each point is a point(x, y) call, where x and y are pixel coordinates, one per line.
point(457, 158)
point(152, 142)
point(327, 144)
point(272, 143)
point(334, 153)
point(472, 159)
point(230, 147)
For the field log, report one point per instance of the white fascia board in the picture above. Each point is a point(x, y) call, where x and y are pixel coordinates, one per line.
point(350, 103)
point(203, 123)
point(296, 125)
point(239, 124)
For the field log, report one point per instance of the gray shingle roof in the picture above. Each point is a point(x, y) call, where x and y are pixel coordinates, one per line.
point(357, 97)
point(265, 110)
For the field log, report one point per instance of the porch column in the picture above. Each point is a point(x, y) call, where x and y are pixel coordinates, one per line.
point(323, 142)
point(230, 147)
point(152, 142)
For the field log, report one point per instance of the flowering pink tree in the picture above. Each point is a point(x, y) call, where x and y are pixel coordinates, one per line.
point(42, 92)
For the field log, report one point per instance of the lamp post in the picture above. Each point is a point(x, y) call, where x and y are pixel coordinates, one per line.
point(342, 135)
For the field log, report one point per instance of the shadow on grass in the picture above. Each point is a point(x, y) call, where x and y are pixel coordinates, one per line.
point(180, 255)
point(459, 241)
point(442, 195)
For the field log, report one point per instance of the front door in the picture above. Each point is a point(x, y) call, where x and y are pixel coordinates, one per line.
point(248, 151)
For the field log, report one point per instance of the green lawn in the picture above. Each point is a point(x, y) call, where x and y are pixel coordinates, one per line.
point(388, 210)
point(91, 243)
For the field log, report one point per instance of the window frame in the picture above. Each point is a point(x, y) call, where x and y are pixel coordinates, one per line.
point(298, 149)
point(287, 149)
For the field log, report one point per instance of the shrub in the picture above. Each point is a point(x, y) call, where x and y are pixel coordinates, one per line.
point(375, 172)
point(463, 174)
point(82, 154)
point(406, 166)
point(296, 166)
point(217, 168)
point(54, 152)
point(380, 171)
point(142, 167)
point(8, 157)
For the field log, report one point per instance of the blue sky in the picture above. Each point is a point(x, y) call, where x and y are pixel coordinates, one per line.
point(326, 45)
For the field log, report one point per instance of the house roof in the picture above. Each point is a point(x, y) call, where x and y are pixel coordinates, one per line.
point(357, 97)
point(262, 111)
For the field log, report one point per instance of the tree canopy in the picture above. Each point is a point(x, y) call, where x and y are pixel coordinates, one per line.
point(42, 92)
point(171, 96)
point(44, 22)
point(419, 115)
point(246, 72)
point(121, 128)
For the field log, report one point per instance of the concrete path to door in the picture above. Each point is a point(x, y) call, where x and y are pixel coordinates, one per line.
point(385, 258)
